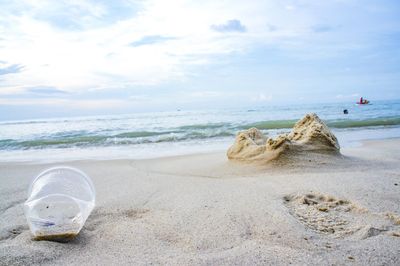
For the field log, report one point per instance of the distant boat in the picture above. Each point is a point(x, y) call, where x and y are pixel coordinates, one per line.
point(363, 101)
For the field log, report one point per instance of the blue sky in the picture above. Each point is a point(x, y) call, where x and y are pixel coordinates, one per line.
point(61, 58)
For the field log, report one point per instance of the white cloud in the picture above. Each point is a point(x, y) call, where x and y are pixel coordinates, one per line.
point(347, 96)
point(88, 54)
point(262, 97)
point(204, 94)
point(100, 57)
point(57, 102)
point(232, 25)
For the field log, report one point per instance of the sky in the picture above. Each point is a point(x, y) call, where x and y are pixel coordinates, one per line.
point(86, 57)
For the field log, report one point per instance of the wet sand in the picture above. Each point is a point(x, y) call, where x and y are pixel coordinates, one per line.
point(203, 209)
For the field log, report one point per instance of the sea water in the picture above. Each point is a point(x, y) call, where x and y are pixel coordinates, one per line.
point(147, 135)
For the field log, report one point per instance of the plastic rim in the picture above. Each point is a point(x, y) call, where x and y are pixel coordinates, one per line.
point(86, 177)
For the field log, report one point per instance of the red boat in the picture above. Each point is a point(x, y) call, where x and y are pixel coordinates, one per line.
point(363, 101)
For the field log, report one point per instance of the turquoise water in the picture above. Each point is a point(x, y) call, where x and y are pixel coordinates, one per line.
point(165, 133)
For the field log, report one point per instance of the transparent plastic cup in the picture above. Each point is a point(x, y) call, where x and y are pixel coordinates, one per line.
point(60, 200)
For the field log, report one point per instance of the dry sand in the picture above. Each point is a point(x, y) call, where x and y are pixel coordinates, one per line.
point(203, 209)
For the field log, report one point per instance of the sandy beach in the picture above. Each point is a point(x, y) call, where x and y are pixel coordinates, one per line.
point(153, 132)
point(203, 209)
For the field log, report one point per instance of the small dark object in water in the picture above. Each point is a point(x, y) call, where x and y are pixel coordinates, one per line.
point(345, 111)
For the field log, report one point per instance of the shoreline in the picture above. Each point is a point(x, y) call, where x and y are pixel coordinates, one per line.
point(347, 138)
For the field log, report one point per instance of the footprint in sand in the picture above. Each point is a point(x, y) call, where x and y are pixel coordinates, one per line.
point(338, 217)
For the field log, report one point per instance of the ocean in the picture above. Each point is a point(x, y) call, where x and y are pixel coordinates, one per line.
point(149, 135)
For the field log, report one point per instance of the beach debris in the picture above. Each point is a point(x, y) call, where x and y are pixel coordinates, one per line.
point(308, 134)
point(60, 200)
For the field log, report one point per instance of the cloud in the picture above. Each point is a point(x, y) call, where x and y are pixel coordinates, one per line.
point(85, 46)
point(45, 90)
point(10, 69)
point(322, 28)
point(204, 94)
point(73, 14)
point(147, 40)
point(271, 27)
point(347, 96)
point(100, 58)
point(262, 97)
point(233, 25)
point(68, 103)
point(290, 7)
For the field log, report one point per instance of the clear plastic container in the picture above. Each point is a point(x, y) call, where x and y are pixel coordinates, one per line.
point(60, 200)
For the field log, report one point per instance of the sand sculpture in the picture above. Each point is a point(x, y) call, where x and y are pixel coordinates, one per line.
point(308, 134)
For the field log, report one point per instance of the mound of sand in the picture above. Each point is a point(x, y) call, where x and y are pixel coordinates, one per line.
point(308, 134)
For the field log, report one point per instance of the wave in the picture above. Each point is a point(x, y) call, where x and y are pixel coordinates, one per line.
point(82, 138)
point(274, 124)
point(342, 123)
point(139, 134)
point(205, 126)
point(374, 122)
point(136, 137)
